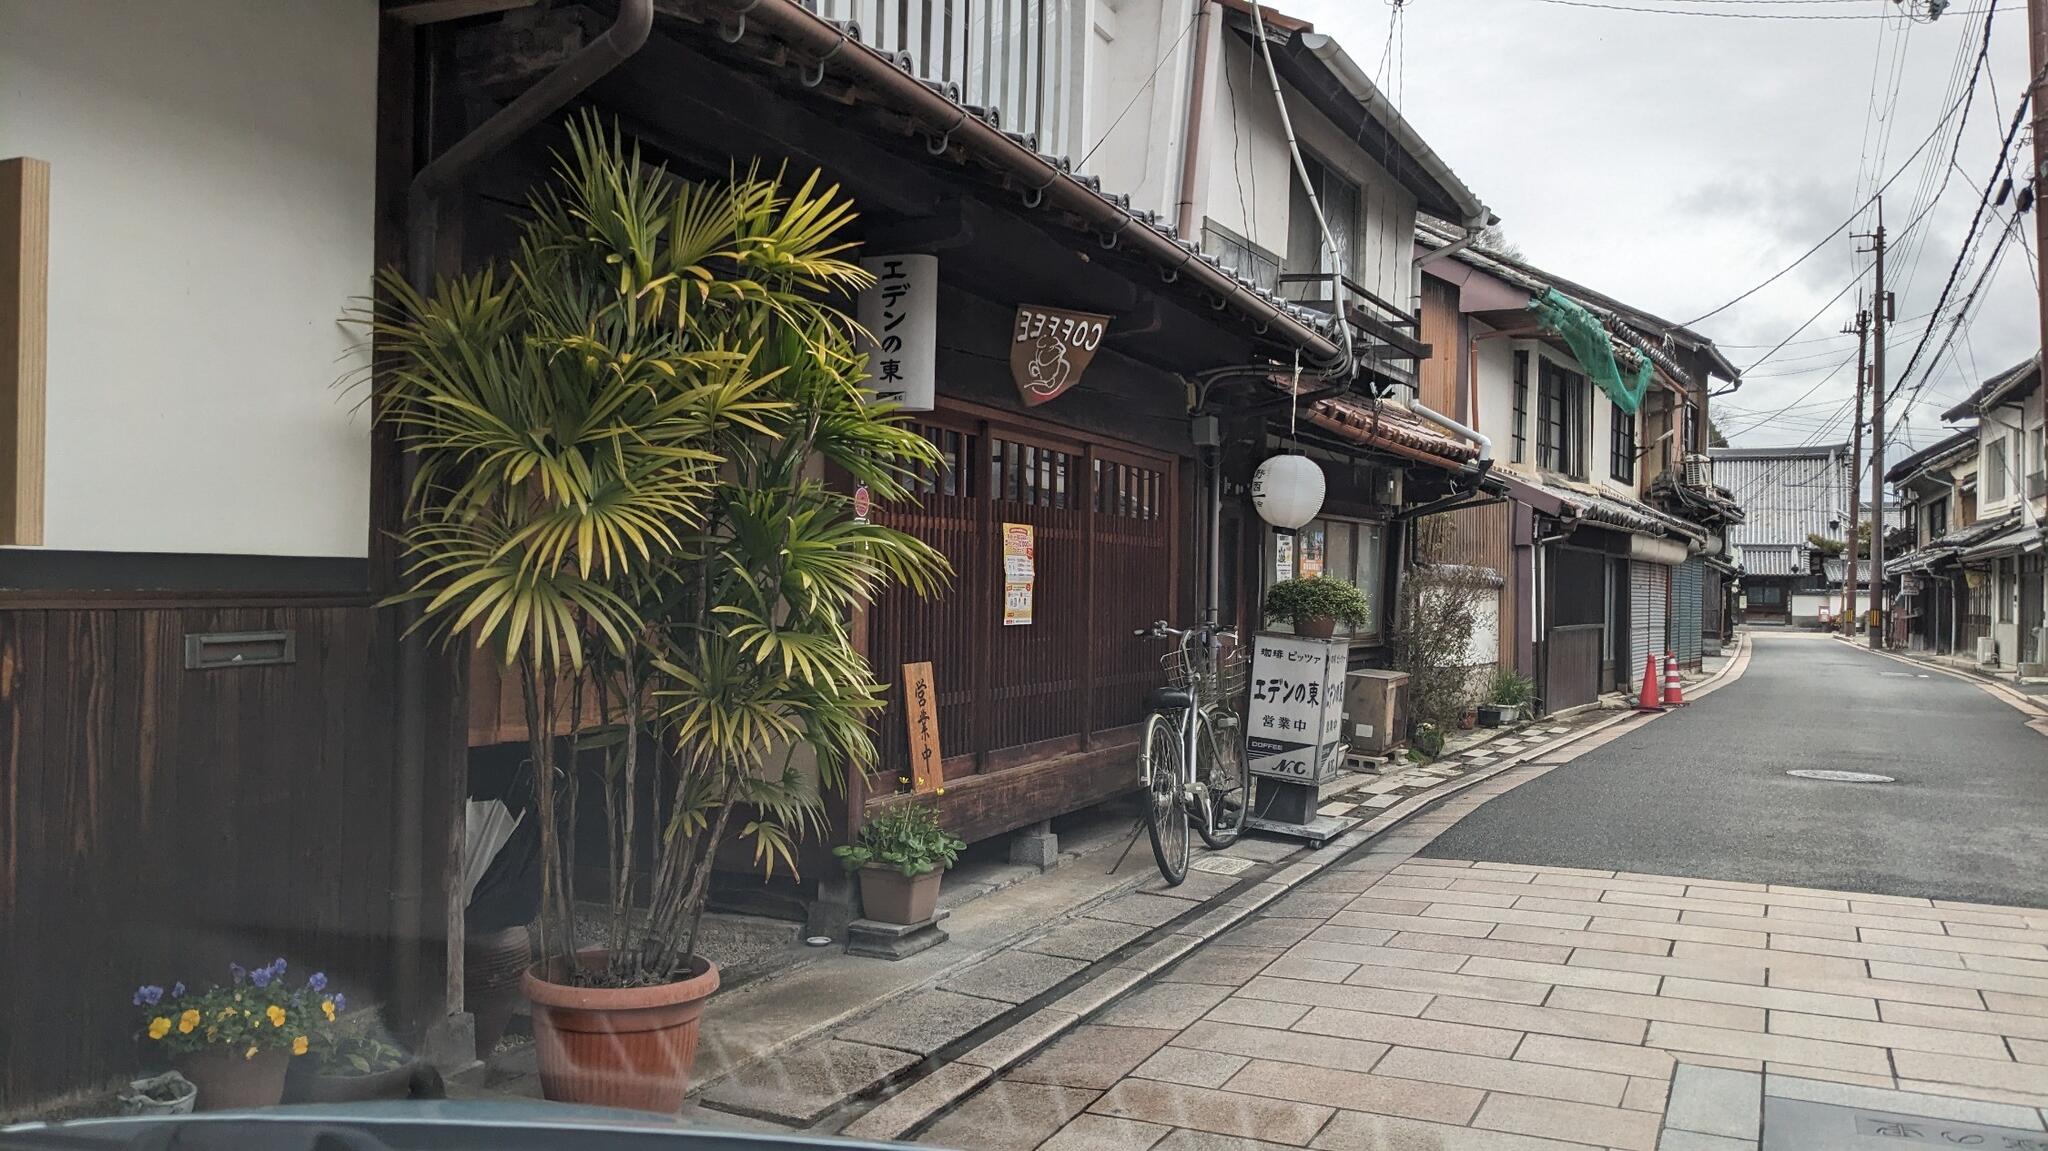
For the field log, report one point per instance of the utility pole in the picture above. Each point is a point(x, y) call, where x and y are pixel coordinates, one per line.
point(2037, 62)
point(1882, 307)
point(1862, 329)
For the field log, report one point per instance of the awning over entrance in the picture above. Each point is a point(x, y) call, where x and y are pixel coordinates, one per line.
point(2012, 543)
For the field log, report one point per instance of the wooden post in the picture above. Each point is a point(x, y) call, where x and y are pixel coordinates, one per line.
point(24, 344)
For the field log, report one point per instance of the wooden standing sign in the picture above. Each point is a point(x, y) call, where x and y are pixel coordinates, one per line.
point(1050, 349)
point(921, 712)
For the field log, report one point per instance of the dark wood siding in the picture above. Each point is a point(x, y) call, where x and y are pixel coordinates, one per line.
point(1043, 699)
point(157, 823)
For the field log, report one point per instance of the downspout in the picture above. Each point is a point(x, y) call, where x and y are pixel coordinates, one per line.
point(422, 233)
point(1191, 147)
point(1480, 466)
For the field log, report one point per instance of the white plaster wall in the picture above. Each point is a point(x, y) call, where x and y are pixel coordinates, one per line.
point(1496, 391)
point(211, 218)
point(1136, 117)
point(1244, 151)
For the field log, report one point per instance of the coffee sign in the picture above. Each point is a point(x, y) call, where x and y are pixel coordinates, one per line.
point(1050, 349)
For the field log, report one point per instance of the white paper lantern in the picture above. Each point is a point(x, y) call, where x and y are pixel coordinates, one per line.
point(1288, 491)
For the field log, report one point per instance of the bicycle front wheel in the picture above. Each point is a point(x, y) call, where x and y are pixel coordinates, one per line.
point(1166, 813)
point(1220, 768)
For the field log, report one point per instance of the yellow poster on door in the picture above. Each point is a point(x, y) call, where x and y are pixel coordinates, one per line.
point(1020, 573)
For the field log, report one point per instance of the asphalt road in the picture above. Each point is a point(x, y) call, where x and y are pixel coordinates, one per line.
point(1703, 792)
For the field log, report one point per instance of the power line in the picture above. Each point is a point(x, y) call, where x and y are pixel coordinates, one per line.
point(1969, 236)
point(1752, 15)
point(1837, 230)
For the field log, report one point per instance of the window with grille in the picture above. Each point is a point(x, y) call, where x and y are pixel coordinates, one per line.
point(1521, 429)
point(1621, 461)
point(1560, 420)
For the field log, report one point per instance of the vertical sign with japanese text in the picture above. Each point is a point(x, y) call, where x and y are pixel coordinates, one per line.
point(901, 315)
point(921, 713)
point(1294, 729)
point(1020, 573)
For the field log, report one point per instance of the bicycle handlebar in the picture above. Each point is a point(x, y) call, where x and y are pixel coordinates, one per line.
point(1160, 630)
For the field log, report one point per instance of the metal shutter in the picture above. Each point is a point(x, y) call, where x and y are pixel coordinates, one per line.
point(1687, 580)
point(1648, 593)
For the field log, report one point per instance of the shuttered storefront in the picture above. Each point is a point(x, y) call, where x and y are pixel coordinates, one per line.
point(1686, 588)
point(1649, 587)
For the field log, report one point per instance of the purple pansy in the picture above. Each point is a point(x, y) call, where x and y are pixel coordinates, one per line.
point(318, 982)
point(239, 972)
point(148, 993)
point(261, 976)
point(340, 1001)
point(178, 990)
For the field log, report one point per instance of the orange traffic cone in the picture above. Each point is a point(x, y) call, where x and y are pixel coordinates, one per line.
point(1674, 691)
point(1652, 697)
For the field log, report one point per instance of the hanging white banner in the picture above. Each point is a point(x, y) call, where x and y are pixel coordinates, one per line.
point(901, 315)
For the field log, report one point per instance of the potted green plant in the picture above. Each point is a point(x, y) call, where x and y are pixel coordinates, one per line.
point(618, 439)
point(1427, 740)
point(1315, 605)
point(1509, 692)
point(234, 1040)
point(900, 856)
point(351, 1060)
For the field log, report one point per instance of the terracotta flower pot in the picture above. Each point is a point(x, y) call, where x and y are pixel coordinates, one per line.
point(493, 966)
point(619, 1046)
point(1316, 626)
point(890, 896)
point(229, 1081)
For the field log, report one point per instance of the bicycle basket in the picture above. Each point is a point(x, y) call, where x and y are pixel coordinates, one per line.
point(1225, 683)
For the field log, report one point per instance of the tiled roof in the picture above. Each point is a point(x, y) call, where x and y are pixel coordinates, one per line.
point(2016, 378)
point(1389, 427)
point(1774, 559)
point(1607, 509)
point(1785, 494)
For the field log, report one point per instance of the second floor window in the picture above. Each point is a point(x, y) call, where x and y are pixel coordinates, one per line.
point(1692, 430)
point(1521, 430)
point(1937, 519)
point(1621, 463)
point(1994, 470)
point(1560, 420)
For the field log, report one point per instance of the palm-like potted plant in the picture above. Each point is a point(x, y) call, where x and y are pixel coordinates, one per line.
point(899, 856)
point(1316, 604)
point(619, 439)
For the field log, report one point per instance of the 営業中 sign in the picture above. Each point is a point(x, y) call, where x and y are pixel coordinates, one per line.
point(1294, 727)
point(1050, 349)
point(921, 713)
point(901, 315)
point(1020, 573)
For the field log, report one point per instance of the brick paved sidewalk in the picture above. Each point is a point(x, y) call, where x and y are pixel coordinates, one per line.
point(1397, 1004)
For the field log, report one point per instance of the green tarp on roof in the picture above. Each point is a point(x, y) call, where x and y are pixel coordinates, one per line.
point(1582, 332)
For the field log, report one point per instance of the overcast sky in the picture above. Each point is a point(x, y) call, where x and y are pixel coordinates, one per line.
point(1674, 160)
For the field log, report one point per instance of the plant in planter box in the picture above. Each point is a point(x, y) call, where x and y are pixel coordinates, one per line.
point(351, 1060)
point(899, 856)
point(1506, 695)
point(1315, 605)
point(234, 1040)
point(619, 438)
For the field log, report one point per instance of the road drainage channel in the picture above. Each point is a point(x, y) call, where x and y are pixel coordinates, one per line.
point(1840, 776)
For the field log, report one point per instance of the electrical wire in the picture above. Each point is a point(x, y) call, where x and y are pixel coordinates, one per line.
point(1755, 15)
point(1838, 229)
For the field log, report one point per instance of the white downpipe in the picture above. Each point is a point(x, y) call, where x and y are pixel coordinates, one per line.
point(1455, 428)
point(1314, 201)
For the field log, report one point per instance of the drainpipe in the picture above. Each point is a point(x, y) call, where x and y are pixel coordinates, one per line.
point(423, 224)
point(1191, 147)
point(1484, 463)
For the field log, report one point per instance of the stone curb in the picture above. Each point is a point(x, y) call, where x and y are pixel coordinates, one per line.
point(1037, 1025)
point(2018, 701)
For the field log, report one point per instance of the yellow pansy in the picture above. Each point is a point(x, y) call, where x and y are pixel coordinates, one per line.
point(250, 1053)
point(327, 1008)
point(159, 1027)
point(188, 1021)
point(299, 1045)
point(228, 1013)
point(275, 1015)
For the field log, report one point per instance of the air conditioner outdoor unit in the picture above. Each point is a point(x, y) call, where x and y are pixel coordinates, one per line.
point(1699, 470)
point(1375, 710)
point(1987, 650)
